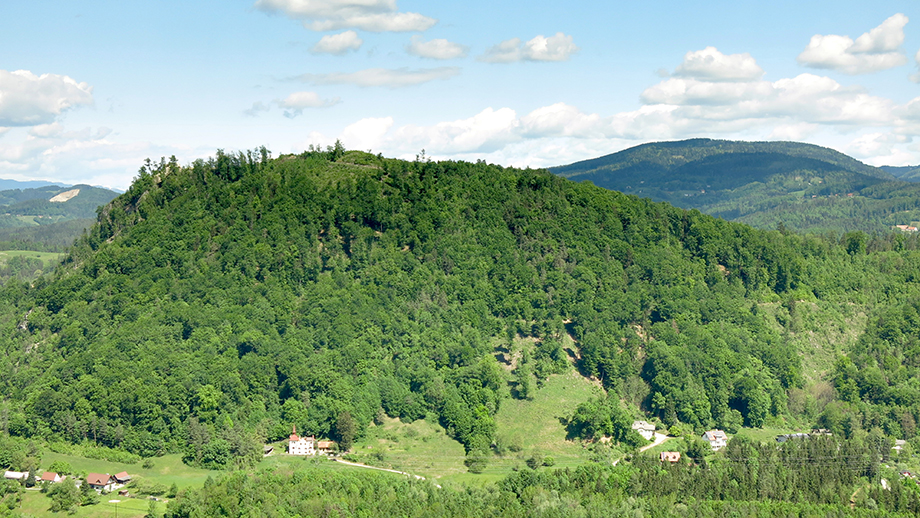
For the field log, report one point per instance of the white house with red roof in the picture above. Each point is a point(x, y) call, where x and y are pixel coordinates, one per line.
point(301, 445)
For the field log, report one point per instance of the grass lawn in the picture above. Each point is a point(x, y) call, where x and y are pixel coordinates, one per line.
point(166, 470)
point(36, 504)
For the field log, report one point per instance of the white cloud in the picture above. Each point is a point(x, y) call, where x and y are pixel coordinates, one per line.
point(711, 65)
point(878, 49)
point(797, 131)
point(28, 100)
point(330, 15)
point(295, 103)
point(805, 98)
point(78, 156)
point(366, 133)
point(436, 49)
point(560, 119)
point(486, 131)
point(257, 108)
point(916, 77)
point(54, 129)
point(338, 44)
point(390, 78)
point(555, 48)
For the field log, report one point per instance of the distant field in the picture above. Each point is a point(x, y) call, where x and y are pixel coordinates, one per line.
point(48, 258)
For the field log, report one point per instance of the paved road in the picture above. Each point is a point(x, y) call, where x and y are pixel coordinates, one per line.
point(659, 438)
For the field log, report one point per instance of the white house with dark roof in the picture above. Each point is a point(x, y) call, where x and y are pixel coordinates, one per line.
point(645, 429)
point(716, 439)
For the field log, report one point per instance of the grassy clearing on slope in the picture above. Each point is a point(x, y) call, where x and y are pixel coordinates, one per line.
point(821, 332)
point(421, 447)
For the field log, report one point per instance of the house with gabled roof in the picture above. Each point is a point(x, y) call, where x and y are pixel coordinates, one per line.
point(670, 456)
point(50, 476)
point(716, 439)
point(100, 481)
point(645, 429)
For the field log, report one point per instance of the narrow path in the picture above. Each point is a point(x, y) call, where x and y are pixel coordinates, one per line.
point(659, 438)
point(359, 465)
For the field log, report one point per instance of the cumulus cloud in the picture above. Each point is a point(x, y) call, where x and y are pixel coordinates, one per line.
point(87, 155)
point(560, 119)
point(331, 15)
point(436, 49)
point(878, 49)
point(390, 78)
point(338, 44)
point(28, 100)
point(366, 133)
point(555, 48)
point(295, 103)
point(485, 131)
point(711, 65)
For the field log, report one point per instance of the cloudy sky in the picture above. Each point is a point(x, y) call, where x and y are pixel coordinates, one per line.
point(88, 89)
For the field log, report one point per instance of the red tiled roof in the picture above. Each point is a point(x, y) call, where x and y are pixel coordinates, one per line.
point(49, 476)
point(123, 476)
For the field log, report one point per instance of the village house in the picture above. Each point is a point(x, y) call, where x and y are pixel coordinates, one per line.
point(670, 456)
point(645, 429)
point(122, 478)
point(789, 436)
point(325, 447)
point(716, 439)
point(50, 476)
point(100, 481)
point(301, 445)
point(16, 475)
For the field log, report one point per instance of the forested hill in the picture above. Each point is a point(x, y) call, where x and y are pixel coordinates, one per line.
point(215, 305)
point(803, 186)
point(49, 217)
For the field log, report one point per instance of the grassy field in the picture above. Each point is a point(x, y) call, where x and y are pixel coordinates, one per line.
point(47, 258)
point(421, 447)
point(36, 504)
point(166, 470)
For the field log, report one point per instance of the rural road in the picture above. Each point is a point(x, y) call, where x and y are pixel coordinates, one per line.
point(659, 438)
point(358, 465)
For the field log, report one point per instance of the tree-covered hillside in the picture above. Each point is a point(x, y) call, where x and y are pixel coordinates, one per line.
point(215, 305)
point(48, 218)
point(765, 184)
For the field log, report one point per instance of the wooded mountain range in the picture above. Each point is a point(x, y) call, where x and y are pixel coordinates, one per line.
point(765, 184)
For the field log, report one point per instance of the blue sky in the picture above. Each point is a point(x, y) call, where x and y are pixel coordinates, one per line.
point(88, 89)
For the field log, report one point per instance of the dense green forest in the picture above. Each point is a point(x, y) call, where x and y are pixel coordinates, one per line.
point(802, 187)
point(215, 305)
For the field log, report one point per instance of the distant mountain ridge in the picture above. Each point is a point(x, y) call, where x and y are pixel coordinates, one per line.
point(803, 186)
point(49, 217)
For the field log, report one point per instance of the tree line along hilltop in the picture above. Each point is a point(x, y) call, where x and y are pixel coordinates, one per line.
point(213, 306)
